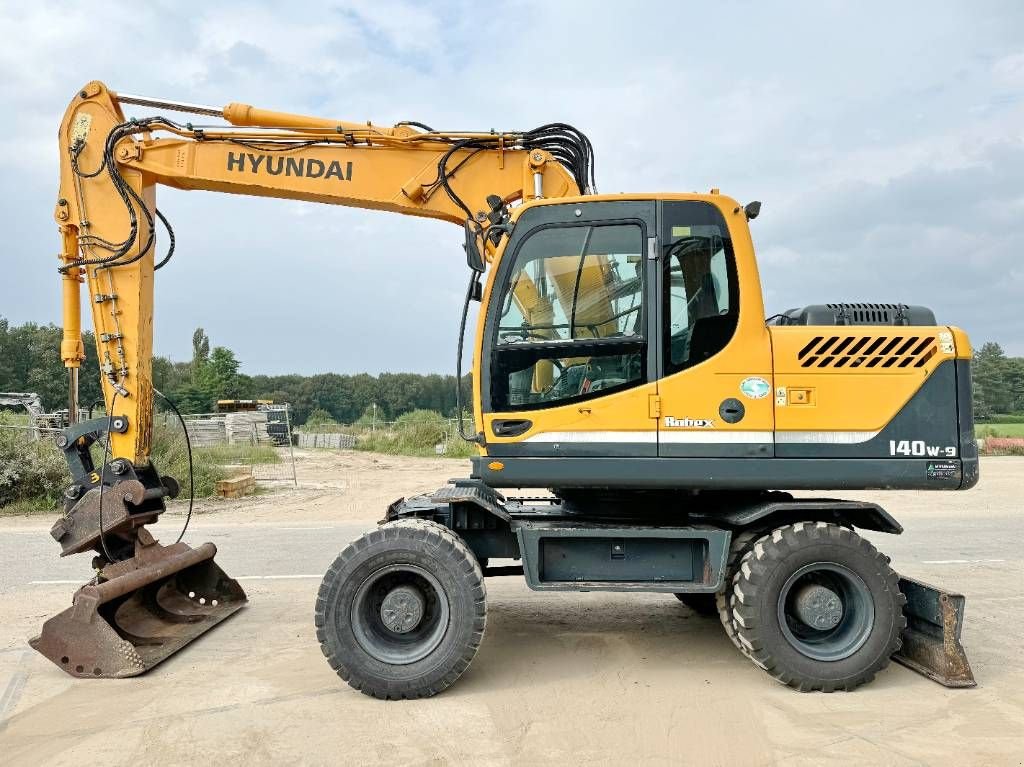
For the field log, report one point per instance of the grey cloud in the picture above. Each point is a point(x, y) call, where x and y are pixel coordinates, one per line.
point(886, 144)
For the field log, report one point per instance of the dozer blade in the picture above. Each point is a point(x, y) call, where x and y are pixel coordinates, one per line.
point(931, 641)
point(148, 608)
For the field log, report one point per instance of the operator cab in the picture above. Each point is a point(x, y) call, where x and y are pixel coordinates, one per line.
point(591, 304)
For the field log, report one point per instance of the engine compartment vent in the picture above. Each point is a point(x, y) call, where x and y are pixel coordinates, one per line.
point(858, 314)
point(868, 351)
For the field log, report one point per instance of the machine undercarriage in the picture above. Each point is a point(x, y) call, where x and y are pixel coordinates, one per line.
point(842, 612)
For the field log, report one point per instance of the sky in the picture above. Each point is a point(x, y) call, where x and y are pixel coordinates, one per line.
point(885, 140)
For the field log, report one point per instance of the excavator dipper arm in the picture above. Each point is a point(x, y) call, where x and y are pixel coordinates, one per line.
point(149, 600)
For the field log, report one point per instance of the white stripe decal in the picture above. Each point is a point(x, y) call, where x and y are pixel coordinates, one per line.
point(698, 437)
point(717, 437)
point(824, 437)
point(706, 437)
point(646, 437)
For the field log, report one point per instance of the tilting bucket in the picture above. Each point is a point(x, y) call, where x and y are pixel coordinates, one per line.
point(931, 641)
point(148, 608)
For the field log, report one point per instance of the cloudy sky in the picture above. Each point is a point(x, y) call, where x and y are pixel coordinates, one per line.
point(886, 141)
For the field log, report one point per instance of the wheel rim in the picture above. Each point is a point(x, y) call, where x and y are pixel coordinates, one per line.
point(826, 611)
point(400, 614)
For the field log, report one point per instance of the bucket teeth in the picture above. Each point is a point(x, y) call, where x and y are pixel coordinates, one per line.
point(153, 605)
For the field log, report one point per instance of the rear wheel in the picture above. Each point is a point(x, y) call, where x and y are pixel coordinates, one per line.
point(741, 544)
point(402, 611)
point(817, 607)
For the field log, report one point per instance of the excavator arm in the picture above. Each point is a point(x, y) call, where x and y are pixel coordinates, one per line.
point(111, 168)
point(149, 600)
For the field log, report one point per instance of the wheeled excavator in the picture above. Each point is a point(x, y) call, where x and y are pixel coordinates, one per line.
point(621, 361)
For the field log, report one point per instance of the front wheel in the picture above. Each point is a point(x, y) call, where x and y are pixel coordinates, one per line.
point(817, 607)
point(402, 611)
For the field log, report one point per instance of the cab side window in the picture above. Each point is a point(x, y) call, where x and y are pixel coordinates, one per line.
point(571, 319)
point(701, 296)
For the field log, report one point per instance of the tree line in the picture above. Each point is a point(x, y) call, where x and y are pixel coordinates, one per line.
point(30, 362)
point(998, 383)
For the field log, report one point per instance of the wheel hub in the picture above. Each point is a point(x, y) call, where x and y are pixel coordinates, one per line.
point(402, 609)
point(818, 606)
point(400, 614)
point(825, 611)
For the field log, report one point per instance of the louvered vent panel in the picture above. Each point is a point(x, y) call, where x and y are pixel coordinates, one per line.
point(867, 351)
point(868, 314)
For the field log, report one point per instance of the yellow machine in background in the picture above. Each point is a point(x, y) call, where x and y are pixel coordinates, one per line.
point(621, 359)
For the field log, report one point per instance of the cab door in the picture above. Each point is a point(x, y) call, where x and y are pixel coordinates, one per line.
point(714, 363)
point(568, 368)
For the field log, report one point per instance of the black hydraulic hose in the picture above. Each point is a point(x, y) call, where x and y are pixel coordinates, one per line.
point(474, 275)
point(103, 466)
point(191, 471)
point(170, 240)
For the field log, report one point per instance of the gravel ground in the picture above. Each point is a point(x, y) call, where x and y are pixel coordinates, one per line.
point(561, 678)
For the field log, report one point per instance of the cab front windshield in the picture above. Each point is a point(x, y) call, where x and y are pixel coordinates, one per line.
point(571, 321)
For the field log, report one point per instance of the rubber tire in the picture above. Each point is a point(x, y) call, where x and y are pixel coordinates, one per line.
point(442, 553)
point(756, 587)
point(702, 604)
point(740, 545)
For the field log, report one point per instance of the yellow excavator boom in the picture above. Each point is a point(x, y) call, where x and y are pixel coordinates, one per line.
point(107, 212)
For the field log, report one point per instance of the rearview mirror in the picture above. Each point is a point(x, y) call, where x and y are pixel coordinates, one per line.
point(474, 256)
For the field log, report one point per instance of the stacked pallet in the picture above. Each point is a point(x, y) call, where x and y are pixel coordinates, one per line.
point(206, 432)
point(247, 429)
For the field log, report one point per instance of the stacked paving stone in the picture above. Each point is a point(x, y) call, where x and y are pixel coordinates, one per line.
point(247, 429)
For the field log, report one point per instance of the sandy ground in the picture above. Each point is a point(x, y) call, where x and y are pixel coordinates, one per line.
point(560, 678)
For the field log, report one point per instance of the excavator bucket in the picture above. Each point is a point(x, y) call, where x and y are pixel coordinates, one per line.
point(931, 640)
point(142, 610)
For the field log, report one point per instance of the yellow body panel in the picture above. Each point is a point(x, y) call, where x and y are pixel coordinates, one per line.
point(860, 381)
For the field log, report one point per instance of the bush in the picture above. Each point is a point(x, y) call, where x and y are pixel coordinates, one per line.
point(31, 471)
point(319, 418)
point(416, 433)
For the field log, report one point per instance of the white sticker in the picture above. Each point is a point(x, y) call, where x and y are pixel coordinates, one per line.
point(755, 387)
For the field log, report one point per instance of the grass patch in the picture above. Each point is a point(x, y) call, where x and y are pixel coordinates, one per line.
point(999, 430)
point(417, 434)
point(235, 454)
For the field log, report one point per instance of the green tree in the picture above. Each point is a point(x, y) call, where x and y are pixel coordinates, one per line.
point(992, 391)
point(320, 417)
point(219, 374)
point(200, 351)
point(192, 399)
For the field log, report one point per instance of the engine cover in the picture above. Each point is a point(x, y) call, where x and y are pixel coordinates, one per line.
point(858, 314)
